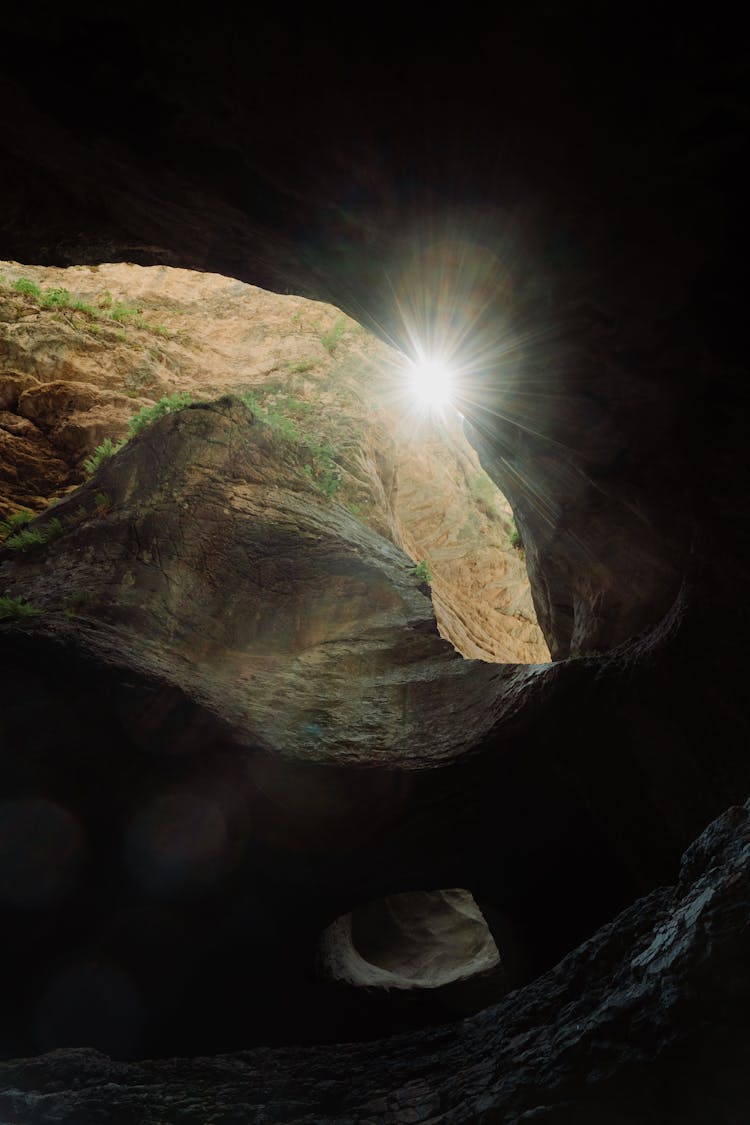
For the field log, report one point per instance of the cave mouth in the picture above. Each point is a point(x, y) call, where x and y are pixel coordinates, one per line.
point(411, 941)
point(123, 342)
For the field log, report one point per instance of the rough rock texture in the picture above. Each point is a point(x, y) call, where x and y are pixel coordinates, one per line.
point(582, 245)
point(71, 377)
point(201, 555)
point(651, 1009)
point(247, 725)
point(568, 197)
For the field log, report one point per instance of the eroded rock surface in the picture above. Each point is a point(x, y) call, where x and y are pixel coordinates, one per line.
point(574, 190)
point(644, 1024)
point(248, 726)
point(202, 555)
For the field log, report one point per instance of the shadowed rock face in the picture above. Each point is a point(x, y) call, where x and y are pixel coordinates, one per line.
point(576, 192)
point(246, 725)
point(621, 1010)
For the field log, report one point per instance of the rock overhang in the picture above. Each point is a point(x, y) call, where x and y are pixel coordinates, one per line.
point(607, 247)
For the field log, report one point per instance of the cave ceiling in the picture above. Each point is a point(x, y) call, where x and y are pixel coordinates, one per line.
point(570, 194)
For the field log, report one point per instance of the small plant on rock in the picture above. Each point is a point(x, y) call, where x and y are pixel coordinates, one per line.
point(102, 453)
point(55, 299)
point(422, 572)
point(25, 285)
point(14, 522)
point(76, 600)
point(84, 307)
point(301, 366)
point(123, 313)
point(330, 339)
point(16, 609)
point(168, 404)
point(34, 536)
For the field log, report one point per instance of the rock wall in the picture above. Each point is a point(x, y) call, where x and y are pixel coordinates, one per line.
point(616, 1034)
point(568, 191)
point(246, 725)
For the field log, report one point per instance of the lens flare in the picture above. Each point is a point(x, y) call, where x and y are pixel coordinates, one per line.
point(431, 381)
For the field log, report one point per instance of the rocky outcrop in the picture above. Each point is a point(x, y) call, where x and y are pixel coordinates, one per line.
point(251, 727)
point(121, 337)
point(203, 555)
point(644, 1024)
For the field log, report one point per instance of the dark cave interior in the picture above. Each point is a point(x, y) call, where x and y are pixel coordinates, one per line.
point(572, 189)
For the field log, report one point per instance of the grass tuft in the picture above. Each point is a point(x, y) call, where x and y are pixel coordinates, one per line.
point(55, 299)
point(330, 339)
point(26, 285)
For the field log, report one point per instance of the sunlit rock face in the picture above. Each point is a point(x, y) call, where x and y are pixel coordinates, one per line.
point(72, 378)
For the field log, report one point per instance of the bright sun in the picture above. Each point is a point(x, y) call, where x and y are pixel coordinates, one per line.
point(431, 381)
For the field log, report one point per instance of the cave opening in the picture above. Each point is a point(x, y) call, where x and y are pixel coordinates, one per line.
point(128, 385)
point(93, 347)
point(569, 188)
point(412, 940)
